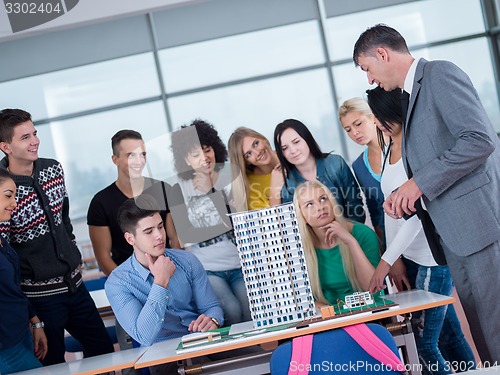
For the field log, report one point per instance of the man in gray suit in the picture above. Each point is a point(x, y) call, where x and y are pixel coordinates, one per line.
point(452, 156)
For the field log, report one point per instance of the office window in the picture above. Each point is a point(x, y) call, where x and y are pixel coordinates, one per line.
point(264, 59)
point(473, 57)
point(83, 88)
point(497, 11)
point(420, 22)
point(83, 146)
point(241, 56)
point(261, 105)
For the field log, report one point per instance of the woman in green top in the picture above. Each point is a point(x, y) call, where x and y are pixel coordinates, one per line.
point(341, 255)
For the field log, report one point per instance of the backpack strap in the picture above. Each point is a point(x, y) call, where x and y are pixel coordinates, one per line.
point(301, 355)
point(364, 337)
point(375, 347)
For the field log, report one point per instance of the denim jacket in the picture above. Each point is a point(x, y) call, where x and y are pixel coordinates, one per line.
point(332, 171)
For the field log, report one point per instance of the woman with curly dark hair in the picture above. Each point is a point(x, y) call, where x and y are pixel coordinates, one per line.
point(199, 210)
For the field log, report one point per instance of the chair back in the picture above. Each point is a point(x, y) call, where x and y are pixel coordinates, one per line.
point(95, 284)
point(335, 352)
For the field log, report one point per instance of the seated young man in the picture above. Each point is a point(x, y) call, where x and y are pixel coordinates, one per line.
point(158, 293)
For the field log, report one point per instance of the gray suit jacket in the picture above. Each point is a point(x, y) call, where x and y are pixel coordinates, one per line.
point(454, 154)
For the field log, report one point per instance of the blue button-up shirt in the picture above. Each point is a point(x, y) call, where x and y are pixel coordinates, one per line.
point(150, 313)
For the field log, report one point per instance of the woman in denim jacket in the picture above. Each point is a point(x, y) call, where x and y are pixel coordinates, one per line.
point(302, 160)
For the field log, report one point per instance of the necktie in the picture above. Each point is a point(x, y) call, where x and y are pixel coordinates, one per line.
point(429, 229)
point(405, 102)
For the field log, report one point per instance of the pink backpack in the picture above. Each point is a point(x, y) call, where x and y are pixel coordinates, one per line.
point(354, 344)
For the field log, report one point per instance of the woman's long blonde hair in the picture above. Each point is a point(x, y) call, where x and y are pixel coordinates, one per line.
point(239, 167)
point(309, 238)
point(358, 105)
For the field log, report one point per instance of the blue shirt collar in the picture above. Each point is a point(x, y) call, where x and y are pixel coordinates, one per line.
point(141, 270)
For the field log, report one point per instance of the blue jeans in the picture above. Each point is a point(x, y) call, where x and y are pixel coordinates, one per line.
point(75, 312)
point(231, 292)
point(20, 357)
point(441, 344)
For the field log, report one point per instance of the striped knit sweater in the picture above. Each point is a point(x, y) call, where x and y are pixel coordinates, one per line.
point(41, 232)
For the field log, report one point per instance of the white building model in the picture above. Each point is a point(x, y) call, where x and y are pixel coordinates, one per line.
point(273, 265)
point(358, 299)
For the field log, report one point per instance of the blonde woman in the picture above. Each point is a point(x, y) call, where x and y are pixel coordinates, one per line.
point(258, 177)
point(341, 255)
point(358, 122)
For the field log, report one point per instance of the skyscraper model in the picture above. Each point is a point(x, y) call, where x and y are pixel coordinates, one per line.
point(274, 266)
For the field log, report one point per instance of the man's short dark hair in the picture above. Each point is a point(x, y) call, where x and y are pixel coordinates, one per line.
point(9, 119)
point(379, 35)
point(120, 136)
point(135, 209)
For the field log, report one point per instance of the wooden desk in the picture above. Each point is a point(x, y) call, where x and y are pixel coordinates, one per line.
point(93, 365)
point(410, 301)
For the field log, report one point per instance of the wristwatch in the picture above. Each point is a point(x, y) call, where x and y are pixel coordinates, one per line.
point(216, 322)
point(38, 325)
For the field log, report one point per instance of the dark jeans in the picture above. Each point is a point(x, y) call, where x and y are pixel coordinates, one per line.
point(75, 312)
point(441, 344)
point(19, 357)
